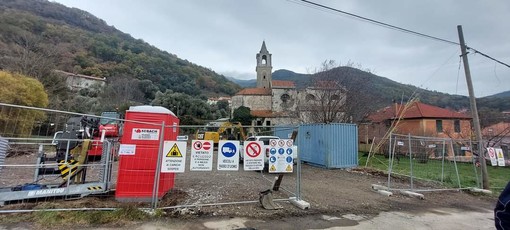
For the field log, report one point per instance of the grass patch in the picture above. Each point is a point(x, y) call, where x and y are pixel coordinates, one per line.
point(436, 170)
point(69, 219)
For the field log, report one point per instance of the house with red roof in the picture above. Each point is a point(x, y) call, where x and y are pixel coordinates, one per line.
point(417, 119)
point(420, 119)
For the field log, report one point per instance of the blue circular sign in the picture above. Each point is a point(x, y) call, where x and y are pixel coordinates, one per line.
point(272, 159)
point(228, 149)
point(289, 159)
point(281, 151)
point(289, 151)
point(272, 151)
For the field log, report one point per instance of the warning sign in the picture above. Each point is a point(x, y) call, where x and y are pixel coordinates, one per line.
point(201, 156)
point(501, 157)
point(174, 151)
point(253, 156)
point(174, 158)
point(228, 155)
point(281, 157)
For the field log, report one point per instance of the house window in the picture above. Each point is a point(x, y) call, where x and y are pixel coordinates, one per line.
point(310, 97)
point(439, 126)
point(268, 123)
point(285, 97)
point(456, 125)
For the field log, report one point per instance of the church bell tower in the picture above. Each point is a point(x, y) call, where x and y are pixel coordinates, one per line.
point(264, 68)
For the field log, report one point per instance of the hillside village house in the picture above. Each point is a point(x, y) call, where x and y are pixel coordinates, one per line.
point(75, 82)
point(276, 102)
point(418, 119)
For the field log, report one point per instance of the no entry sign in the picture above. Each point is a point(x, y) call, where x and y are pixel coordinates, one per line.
point(253, 155)
point(201, 156)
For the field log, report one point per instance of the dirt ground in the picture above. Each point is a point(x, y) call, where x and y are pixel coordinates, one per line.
point(329, 192)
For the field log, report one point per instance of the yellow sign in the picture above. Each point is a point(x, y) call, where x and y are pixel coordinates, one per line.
point(272, 168)
point(174, 152)
point(289, 168)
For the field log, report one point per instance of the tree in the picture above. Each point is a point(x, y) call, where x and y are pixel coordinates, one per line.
point(242, 114)
point(332, 97)
point(21, 90)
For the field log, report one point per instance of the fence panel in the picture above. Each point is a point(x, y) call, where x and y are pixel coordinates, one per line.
point(430, 164)
point(54, 156)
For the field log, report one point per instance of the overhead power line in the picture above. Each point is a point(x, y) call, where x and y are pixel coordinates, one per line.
point(397, 28)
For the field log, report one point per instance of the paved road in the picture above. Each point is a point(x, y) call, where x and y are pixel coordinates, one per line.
point(435, 219)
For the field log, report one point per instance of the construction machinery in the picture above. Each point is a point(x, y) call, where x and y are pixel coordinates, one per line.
point(110, 128)
point(226, 131)
point(69, 162)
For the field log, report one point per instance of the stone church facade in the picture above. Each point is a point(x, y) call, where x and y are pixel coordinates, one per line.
point(274, 102)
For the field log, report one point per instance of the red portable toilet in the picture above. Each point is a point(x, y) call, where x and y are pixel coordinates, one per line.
point(135, 181)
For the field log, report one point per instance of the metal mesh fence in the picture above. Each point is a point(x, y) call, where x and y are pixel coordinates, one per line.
point(57, 155)
point(429, 164)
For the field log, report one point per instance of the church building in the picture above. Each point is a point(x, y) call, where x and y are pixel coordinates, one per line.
point(274, 102)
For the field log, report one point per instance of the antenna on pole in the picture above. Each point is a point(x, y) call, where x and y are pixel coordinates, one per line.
point(474, 110)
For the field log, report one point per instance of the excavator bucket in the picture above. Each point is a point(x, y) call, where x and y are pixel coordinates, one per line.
point(266, 200)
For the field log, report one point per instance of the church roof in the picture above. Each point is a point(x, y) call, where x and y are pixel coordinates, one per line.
point(268, 113)
point(263, 49)
point(254, 91)
point(283, 84)
point(261, 113)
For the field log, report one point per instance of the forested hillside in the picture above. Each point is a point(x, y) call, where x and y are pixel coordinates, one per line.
point(381, 92)
point(37, 36)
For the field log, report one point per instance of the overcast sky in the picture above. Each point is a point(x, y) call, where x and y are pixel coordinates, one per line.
point(225, 35)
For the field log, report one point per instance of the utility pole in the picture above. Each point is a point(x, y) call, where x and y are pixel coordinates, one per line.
point(474, 110)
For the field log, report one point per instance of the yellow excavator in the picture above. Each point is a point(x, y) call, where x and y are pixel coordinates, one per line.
point(226, 131)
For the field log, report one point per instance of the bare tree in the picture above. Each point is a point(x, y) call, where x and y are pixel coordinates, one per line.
point(336, 95)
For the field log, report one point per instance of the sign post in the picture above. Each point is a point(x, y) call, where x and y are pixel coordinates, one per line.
point(174, 157)
point(228, 156)
point(253, 156)
point(281, 158)
point(201, 155)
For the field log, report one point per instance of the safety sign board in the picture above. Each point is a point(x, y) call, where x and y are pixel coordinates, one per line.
point(145, 134)
point(492, 155)
point(228, 155)
point(201, 155)
point(253, 155)
point(174, 156)
point(127, 149)
point(501, 157)
point(281, 156)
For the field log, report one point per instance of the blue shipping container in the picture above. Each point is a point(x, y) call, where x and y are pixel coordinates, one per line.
point(284, 132)
point(329, 145)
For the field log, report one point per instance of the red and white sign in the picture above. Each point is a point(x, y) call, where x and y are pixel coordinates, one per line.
point(272, 142)
point(253, 149)
point(145, 134)
point(201, 156)
point(492, 155)
point(206, 145)
point(253, 157)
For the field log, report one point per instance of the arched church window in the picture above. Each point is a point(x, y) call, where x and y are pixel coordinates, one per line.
point(264, 59)
point(264, 77)
point(285, 97)
point(310, 97)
